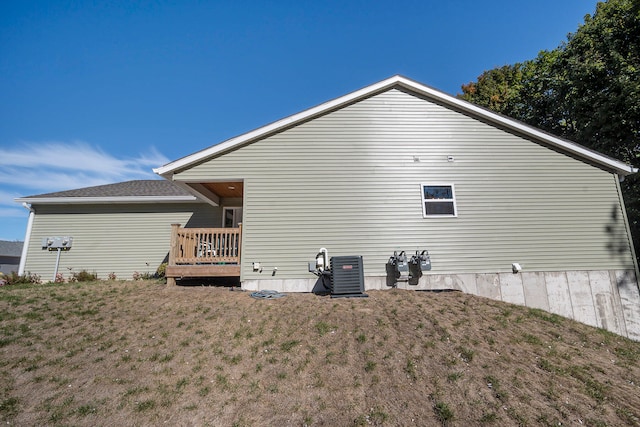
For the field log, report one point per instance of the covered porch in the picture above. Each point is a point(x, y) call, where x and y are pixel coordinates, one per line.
point(209, 252)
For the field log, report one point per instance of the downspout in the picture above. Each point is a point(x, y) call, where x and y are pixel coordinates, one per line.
point(27, 238)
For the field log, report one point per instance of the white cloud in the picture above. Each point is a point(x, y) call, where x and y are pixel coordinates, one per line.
point(8, 207)
point(7, 195)
point(13, 212)
point(35, 168)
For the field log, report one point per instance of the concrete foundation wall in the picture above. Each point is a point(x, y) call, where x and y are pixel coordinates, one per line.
point(604, 299)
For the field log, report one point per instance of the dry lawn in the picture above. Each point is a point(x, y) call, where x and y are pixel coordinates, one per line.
point(142, 353)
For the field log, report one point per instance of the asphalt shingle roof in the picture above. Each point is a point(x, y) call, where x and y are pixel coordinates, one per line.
point(135, 188)
point(8, 248)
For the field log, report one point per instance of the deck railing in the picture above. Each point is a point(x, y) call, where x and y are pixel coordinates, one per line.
point(192, 246)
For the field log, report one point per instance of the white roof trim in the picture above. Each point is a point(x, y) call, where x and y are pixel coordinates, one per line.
point(98, 200)
point(562, 144)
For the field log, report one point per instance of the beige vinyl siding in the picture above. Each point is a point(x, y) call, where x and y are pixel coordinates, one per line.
point(350, 181)
point(111, 238)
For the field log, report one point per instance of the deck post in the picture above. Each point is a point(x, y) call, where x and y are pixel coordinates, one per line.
point(173, 250)
point(239, 243)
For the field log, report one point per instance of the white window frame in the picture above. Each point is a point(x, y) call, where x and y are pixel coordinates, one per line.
point(453, 200)
point(234, 209)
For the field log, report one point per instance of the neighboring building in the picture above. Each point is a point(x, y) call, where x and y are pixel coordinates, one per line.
point(10, 256)
point(394, 166)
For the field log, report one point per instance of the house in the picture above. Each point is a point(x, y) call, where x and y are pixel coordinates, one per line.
point(9, 256)
point(394, 166)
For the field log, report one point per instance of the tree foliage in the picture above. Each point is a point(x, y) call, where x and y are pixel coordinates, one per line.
point(586, 90)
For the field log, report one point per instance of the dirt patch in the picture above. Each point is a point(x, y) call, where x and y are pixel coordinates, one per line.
point(142, 353)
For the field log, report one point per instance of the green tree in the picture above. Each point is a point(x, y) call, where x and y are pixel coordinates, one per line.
point(601, 62)
point(498, 89)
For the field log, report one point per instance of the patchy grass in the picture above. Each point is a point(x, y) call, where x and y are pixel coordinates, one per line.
point(142, 353)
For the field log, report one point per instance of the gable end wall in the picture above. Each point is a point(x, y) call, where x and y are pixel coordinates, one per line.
point(350, 181)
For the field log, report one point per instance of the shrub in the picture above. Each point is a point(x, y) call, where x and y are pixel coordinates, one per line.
point(162, 269)
point(84, 276)
point(59, 278)
point(15, 279)
point(112, 276)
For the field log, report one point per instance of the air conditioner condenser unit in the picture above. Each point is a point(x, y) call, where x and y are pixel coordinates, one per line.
point(347, 276)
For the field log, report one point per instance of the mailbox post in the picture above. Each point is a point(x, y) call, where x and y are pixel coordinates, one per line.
point(58, 244)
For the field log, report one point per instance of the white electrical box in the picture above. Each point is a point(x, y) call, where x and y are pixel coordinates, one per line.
point(55, 243)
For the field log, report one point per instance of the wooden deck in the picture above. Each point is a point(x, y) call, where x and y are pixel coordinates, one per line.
point(203, 252)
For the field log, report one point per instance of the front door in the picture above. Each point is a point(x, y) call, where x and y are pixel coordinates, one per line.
point(231, 217)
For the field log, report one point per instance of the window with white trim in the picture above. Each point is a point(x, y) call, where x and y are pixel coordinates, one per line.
point(438, 200)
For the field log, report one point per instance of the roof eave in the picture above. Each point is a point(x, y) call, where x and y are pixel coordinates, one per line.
point(104, 200)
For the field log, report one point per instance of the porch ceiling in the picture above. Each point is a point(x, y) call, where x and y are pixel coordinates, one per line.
point(225, 189)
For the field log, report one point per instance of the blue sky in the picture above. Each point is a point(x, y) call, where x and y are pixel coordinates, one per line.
point(100, 92)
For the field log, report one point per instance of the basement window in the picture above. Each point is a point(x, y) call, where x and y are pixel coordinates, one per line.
point(438, 200)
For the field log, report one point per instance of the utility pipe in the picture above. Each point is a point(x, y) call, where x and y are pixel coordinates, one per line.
point(27, 238)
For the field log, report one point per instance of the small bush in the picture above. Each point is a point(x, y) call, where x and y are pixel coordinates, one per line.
point(161, 271)
point(112, 276)
point(84, 276)
point(15, 279)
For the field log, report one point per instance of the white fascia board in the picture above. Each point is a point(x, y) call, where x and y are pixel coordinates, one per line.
point(567, 146)
point(103, 200)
